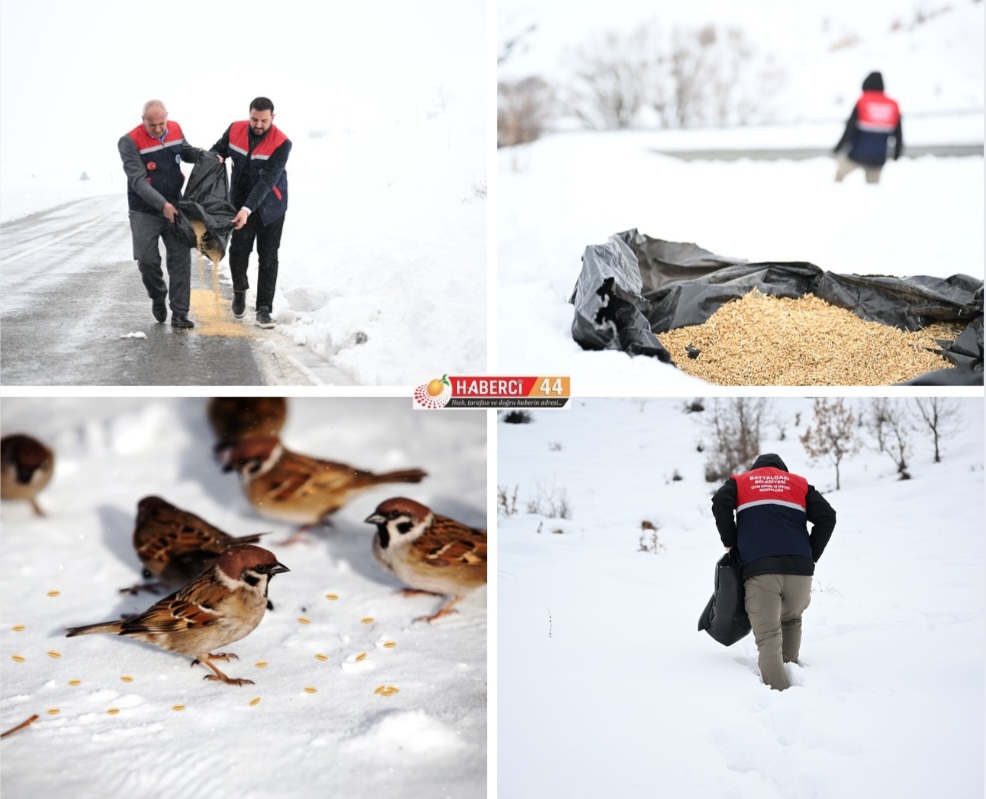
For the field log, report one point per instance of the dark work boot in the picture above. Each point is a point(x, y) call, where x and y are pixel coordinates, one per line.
point(239, 303)
point(160, 310)
point(181, 322)
point(263, 317)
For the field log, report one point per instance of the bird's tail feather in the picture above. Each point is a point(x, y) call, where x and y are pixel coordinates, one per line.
point(87, 629)
point(402, 476)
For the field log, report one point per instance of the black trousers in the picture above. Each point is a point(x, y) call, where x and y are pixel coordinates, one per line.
point(268, 239)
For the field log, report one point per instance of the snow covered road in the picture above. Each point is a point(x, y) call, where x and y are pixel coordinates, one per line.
point(76, 313)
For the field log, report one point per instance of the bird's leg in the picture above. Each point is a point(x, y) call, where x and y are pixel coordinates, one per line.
point(414, 591)
point(227, 656)
point(445, 610)
point(219, 676)
point(36, 507)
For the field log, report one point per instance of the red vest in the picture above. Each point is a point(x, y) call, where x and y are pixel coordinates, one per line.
point(247, 166)
point(162, 160)
point(239, 140)
point(877, 113)
point(770, 486)
point(771, 514)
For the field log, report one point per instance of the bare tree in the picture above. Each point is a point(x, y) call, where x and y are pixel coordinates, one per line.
point(941, 416)
point(523, 109)
point(514, 42)
point(735, 427)
point(891, 427)
point(610, 78)
point(834, 435)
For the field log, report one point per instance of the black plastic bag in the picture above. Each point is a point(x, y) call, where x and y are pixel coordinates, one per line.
point(634, 287)
point(724, 618)
point(206, 200)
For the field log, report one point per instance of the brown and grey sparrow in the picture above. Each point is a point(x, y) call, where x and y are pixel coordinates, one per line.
point(286, 485)
point(217, 608)
point(432, 554)
point(235, 418)
point(26, 466)
point(176, 546)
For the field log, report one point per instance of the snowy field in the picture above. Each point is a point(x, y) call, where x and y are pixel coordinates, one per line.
point(569, 190)
point(606, 688)
point(319, 728)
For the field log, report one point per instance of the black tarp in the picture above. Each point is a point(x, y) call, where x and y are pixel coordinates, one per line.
point(206, 198)
point(633, 287)
point(724, 618)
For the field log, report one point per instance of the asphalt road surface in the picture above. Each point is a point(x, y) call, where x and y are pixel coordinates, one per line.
point(73, 311)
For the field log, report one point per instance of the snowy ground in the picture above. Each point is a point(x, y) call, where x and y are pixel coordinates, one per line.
point(607, 689)
point(567, 191)
point(341, 739)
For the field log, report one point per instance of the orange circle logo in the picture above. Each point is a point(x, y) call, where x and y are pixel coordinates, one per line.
point(434, 394)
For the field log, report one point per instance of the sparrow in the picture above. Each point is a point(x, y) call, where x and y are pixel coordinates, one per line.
point(432, 554)
point(236, 418)
point(26, 466)
point(289, 486)
point(176, 546)
point(218, 607)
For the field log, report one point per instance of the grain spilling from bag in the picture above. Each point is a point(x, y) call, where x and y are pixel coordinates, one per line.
point(761, 340)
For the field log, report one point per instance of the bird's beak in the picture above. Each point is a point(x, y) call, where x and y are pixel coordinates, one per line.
point(277, 568)
point(376, 518)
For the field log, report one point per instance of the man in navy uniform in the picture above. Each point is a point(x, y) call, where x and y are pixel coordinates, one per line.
point(875, 119)
point(259, 190)
point(764, 514)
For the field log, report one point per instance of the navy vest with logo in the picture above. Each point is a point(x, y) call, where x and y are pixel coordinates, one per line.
point(246, 169)
point(162, 160)
point(771, 514)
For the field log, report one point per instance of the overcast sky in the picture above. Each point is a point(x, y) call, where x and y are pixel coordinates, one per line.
point(74, 75)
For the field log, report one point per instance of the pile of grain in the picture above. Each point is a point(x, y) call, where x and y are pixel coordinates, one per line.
point(771, 341)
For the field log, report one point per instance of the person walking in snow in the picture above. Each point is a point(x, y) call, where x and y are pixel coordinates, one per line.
point(763, 514)
point(259, 190)
point(152, 154)
point(875, 119)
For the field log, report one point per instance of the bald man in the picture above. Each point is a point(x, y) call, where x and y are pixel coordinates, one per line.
point(152, 154)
